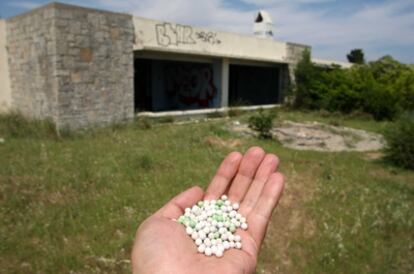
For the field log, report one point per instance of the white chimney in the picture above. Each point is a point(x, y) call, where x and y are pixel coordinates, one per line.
point(263, 25)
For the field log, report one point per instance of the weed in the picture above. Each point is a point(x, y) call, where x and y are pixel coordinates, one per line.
point(262, 123)
point(216, 114)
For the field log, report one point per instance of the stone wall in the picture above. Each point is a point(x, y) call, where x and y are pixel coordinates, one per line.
point(94, 66)
point(32, 48)
point(5, 91)
point(73, 65)
point(294, 53)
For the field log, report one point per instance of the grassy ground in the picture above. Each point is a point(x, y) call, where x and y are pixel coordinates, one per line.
point(72, 203)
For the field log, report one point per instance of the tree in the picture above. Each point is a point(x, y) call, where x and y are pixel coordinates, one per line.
point(306, 75)
point(356, 56)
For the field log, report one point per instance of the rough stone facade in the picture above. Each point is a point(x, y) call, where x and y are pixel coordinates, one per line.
point(294, 53)
point(31, 48)
point(72, 65)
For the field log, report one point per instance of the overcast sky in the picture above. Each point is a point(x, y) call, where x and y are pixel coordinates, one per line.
point(331, 27)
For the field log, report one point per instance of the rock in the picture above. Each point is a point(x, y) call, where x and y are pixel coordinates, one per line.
point(320, 137)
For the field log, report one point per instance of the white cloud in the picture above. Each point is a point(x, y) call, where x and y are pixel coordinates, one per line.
point(266, 3)
point(379, 28)
point(375, 27)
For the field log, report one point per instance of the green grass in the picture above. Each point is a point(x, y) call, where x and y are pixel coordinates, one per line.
point(73, 202)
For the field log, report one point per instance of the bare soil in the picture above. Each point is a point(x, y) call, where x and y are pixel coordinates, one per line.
point(320, 137)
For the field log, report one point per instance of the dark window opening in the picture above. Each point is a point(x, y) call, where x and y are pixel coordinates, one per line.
point(142, 78)
point(253, 85)
point(162, 85)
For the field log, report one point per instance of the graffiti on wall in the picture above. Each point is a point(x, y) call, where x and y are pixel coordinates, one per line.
point(176, 34)
point(191, 84)
point(168, 34)
point(208, 37)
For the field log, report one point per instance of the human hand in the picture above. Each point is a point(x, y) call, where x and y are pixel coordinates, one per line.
point(162, 245)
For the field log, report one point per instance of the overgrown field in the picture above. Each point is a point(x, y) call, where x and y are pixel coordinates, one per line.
point(72, 203)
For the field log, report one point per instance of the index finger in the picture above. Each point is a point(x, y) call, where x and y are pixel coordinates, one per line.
point(259, 217)
point(225, 174)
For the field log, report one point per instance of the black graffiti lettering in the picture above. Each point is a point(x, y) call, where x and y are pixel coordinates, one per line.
point(168, 34)
point(208, 37)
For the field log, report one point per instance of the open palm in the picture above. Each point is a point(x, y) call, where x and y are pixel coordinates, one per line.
point(162, 245)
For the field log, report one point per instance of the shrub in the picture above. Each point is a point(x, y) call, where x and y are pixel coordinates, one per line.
point(216, 114)
point(145, 162)
point(382, 88)
point(400, 149)
point(262, 123)
point(166, 120)
point(235, 111)
point(15, 125)
point(143, 123)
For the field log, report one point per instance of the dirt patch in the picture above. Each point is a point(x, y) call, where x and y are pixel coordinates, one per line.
point(217, 141)
point(290, 222)
point(320, 137)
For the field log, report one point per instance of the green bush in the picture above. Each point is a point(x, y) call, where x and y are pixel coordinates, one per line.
point(400, 140)
point(143, 123)
point(15, 125)
point(383, 88)
point(262, 123)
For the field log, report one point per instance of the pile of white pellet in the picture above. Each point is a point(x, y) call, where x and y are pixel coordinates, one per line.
point(212, 225)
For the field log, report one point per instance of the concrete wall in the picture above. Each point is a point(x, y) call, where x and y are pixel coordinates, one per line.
point(5, 90)
point(72, 65)
point(169, 37)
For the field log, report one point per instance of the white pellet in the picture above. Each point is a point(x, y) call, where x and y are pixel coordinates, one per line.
point(207, 251)
point(201, 248)
point(198, 242)
point(237, 238)
point(212, 224)
point(202, 235)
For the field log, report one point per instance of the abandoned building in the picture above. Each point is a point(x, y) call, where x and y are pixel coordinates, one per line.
point(80, 67)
